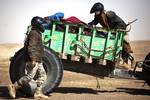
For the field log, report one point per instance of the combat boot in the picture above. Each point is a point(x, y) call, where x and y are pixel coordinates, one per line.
point(39, 94)
point(12, 89)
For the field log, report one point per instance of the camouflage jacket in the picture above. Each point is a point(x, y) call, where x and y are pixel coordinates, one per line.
point(33, 46)
point(109, 20)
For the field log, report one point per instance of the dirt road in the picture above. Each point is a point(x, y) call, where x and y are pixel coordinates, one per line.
point(77, 86)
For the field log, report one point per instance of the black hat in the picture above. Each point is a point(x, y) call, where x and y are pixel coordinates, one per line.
point(97, 7)
point(38, 22)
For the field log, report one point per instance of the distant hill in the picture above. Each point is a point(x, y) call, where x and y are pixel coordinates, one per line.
point(140, 49)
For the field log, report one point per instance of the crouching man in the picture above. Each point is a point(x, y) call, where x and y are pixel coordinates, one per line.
point(109, 20)
point(34, 51)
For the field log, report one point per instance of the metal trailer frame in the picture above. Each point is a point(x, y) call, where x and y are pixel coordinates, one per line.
point(71, 39)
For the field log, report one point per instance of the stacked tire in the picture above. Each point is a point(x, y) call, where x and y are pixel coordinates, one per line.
point(52, 65)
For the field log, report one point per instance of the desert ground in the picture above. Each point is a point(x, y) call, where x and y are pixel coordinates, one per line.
point(79, 86)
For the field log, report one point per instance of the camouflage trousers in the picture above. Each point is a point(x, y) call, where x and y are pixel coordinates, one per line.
point(38, 70)
point(126, 38)
point(126, 44)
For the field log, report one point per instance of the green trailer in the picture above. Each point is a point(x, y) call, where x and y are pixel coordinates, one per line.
point(72, 42)
point(78, 40)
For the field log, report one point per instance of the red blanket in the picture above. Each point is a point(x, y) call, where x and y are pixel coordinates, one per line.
point(73, 19)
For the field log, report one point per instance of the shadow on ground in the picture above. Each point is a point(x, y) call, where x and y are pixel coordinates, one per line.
point(4, 94)
point(77, 90)
point(135, 91)
point(87, 68)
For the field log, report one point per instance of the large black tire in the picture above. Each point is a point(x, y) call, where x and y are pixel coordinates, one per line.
point(52, 65)
point(146, 69)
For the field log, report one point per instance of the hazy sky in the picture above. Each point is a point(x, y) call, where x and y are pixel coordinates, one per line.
point(16, 15)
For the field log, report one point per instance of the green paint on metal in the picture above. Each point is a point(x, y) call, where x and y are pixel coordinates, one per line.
point(99, 43)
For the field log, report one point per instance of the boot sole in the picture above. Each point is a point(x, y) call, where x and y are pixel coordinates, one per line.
point(10, 88)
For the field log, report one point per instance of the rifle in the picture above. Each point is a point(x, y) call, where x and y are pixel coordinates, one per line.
point(131, 22)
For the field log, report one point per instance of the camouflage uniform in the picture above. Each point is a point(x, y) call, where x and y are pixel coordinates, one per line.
point(34, 52)
point(110, 20)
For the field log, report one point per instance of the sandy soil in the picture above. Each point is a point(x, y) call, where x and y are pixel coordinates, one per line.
point(78, 86)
